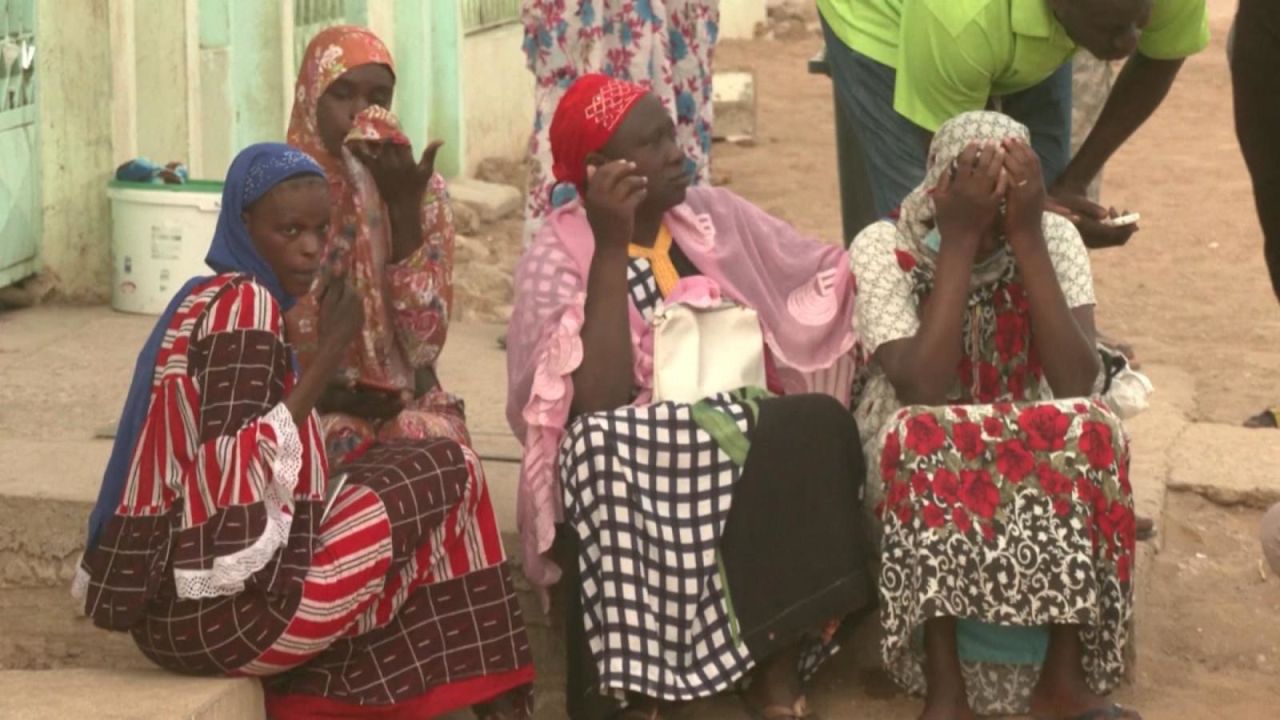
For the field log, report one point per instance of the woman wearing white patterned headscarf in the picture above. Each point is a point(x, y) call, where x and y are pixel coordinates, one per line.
point(1001, 482)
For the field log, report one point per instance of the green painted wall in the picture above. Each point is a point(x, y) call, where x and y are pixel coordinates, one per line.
point(428, 88)
point(74, 101)
point(160, 52)
point(257, 76)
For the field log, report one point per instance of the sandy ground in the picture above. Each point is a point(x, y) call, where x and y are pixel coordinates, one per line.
point(1189, 290)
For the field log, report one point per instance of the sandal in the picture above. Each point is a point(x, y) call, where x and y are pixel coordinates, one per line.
point(1269, 418)
point(799, 710)
point(1114, 711)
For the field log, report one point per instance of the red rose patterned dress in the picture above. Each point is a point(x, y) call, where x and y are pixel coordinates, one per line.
point(1004, 507)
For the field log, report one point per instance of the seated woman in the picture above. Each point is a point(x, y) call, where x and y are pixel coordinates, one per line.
point(715, 537)
point(391, 234)
point(224, 545)
point(1002, 487)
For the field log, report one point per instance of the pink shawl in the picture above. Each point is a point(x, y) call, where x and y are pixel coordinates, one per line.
point(800, 287)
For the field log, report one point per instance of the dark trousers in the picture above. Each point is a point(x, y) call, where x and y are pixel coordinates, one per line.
point(1255, 80)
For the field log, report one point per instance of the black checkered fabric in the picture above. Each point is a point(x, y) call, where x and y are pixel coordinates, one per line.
point(648, 493)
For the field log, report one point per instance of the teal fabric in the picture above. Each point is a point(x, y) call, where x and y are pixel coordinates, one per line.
point(1003, 644)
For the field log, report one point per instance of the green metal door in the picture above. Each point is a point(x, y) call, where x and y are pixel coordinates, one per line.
point(19, 153)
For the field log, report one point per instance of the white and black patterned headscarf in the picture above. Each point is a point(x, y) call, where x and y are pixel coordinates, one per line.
point(916, 216)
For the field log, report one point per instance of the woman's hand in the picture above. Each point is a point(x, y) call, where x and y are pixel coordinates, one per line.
point(1088, 217)
point(966, 200)
point(1024, 211)
point(614, 191)
point(341, 316)
point(401, 181)
point(403, 184)
point(373, 405)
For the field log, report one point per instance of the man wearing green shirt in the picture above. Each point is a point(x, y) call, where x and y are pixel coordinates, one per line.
point(903, 67)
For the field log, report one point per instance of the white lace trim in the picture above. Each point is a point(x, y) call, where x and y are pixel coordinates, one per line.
point(229, 572)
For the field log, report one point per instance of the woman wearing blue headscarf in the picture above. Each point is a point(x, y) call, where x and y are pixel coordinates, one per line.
point(220, 539)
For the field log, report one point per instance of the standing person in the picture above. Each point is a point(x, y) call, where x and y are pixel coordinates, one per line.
point(966, 55)
point(1002, 485)
point(392, 234)
point(1255, 51)
point(1091, 81)
point(712, 538)
point(223, 543)
point(663, 44)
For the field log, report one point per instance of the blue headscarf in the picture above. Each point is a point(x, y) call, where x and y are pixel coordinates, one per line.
point(253, 173)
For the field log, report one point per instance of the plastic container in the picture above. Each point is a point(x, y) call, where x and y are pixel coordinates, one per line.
point(159, 237)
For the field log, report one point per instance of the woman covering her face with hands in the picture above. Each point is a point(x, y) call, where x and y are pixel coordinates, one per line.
point(1000, 481)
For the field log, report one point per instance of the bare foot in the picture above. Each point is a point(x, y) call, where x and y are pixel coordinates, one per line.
point(775, 690)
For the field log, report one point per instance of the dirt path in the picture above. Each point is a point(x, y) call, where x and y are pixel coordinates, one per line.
point(1189, 290)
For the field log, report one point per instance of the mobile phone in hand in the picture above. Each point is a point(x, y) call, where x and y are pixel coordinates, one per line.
point(1123, 220)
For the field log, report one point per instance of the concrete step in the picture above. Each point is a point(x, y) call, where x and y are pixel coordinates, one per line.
point(125, 695)
point(491, 201)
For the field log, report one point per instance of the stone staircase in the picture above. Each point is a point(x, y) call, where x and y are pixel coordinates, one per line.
point(53, 662)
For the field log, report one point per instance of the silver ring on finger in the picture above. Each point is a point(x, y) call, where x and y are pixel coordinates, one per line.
point(1022, 183)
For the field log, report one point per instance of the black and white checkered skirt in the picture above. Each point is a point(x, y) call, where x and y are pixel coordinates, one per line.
point(648, 494)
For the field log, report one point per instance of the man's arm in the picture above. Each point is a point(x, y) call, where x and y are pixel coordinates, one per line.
point(1138, 91)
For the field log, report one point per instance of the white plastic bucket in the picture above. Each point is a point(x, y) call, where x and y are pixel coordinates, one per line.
point(159, 237)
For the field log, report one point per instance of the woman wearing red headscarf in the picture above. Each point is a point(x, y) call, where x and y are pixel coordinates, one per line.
point(712, 537)
point(391, 235)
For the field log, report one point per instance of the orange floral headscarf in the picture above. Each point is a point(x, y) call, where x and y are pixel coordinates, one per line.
point(330, 55)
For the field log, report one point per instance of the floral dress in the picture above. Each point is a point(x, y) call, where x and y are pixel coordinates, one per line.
point(1006, 507)
point(666, 44)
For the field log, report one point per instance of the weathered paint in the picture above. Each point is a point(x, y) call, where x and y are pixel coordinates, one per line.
point(217, 115)
point(497, 95)
point(74, 101)
point(124, 82)
point(257, 56)
point(160, 65)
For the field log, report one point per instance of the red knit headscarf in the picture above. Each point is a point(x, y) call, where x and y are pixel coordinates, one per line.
point(589, 113)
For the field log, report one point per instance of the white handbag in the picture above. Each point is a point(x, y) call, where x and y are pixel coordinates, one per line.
point(698, 352)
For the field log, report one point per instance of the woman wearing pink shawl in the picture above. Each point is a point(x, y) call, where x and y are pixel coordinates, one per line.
point(712, 539)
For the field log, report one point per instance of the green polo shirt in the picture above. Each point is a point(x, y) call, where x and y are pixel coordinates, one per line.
point(959, 53)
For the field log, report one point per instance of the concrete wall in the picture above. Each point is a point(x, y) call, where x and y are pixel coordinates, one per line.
point(196, 80)
point(160, 54)
point(74, 101)
point(497, 95)
point(738, 18)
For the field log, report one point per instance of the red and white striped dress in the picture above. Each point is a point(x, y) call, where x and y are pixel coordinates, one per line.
point(218, 559)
